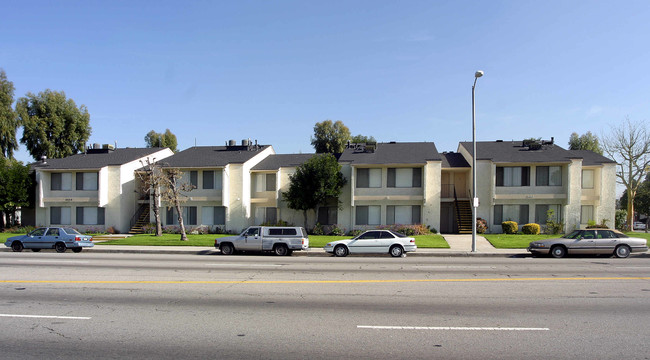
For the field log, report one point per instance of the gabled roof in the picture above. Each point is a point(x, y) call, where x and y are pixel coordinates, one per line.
point(454, 160)
point(393, 153)
point(516, 152)
point(212, 156)
point(590, 158)
point(94, 160)
point(276, 161)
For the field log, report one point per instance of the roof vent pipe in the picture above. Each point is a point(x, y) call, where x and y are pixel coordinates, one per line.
point(232, 142)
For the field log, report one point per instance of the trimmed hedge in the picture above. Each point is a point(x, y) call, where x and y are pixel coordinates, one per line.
point(509, 227)
point(531, 229)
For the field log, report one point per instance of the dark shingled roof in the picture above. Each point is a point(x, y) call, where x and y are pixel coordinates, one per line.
point(454, 160)
point(590, 158)
point(516, 152)
point(95, 161)
point(275, 162)
point(211, 156)
point(394, 153)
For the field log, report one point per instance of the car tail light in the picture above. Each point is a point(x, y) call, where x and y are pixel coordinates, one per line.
point(77, 238)
point(413, 240)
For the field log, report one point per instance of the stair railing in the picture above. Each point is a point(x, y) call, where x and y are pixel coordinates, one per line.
point(138, 213)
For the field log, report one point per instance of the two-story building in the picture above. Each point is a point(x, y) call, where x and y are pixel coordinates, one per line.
point(95, 189)
point(525, 181)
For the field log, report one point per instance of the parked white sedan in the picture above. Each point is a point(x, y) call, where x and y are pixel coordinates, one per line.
point(373, 242)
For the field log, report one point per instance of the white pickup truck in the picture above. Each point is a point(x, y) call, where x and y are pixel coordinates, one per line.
point(281, 240)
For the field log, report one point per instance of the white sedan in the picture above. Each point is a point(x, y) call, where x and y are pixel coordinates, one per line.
point(373, 242)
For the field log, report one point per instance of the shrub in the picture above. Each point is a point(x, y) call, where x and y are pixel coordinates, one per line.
point(171, 229)
point(355, 233)
point(318, 230)
point(509, 227)
point(150, 228)
point(432, 229)
point(481, 226)
point(199, 230)
point(408, 230)
point(531, 229)
point(216, 230)
point(111, 230)
point(20, 230)
point(336, 230)
point(619, 218)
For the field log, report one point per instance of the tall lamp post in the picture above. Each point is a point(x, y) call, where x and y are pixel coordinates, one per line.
point(477, 75)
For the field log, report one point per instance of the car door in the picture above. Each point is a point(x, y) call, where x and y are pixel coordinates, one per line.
point(386, 240)
point(586, 244)
point(34, 239)
point(51, 237)
point(365, 243)
point(606, 241)
point(252, 239)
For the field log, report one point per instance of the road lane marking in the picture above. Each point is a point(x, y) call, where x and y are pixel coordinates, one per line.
point(46, 317)
point(450, 328)
point(244, 265)
point(313, 281)
point(53, 261)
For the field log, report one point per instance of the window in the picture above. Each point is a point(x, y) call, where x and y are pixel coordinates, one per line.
point(264, 182)
point(90, 216)
point(587, 179)
point(403, 178)
point(270, 182)
point(368, 178)
point(60, 215)
point(283, 231)
point(548, 176)
point(194, 179)
point(518, 213)
point(61, 181)
point(327, 215)
point(542, 210)
point(87, 181)
point(368, 215)
point(586, 214)
point(213, 215)
point(271, 215)
point(408, 214)
point(52, 232)
point(189, 216)
point(513, 176)
point(208, 179)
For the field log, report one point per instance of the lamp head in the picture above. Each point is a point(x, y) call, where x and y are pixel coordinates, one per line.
point(478, 74)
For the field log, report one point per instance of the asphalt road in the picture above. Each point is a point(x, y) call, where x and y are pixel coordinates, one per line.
point(87, 305)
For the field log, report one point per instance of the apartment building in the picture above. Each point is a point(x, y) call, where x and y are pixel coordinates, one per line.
point(95, 189)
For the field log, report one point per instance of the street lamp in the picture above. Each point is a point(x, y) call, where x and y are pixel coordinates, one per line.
point(477, 75)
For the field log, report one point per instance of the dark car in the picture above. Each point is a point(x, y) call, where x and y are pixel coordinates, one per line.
point(57, 238)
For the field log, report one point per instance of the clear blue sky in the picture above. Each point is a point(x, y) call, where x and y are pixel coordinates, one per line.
point(397, 70)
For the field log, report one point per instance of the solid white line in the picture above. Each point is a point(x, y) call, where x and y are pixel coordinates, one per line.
point(245, 265)
point(450, 328)
point(55, 261)
point(46, 316)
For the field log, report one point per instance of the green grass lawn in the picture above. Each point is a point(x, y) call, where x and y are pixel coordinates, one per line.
point(517, 241)
point(315, 241)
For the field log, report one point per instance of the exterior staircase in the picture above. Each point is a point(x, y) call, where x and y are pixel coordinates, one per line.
point(142, 220)
point(464, 216)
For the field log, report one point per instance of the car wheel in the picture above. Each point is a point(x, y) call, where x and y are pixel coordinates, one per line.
point(622, 251)
point(340, 251)
point(77, 249)
point(60, 247)
point(281, 250)
point(17, 246)
point(227, 249)
point(36, 250)
point(558, 251)
point(396, 251)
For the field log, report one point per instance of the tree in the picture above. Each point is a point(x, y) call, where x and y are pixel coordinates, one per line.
point(8, 119)
point(362, 139)
point(629, 145)
point(53, 126)
point(14, 188)
point(586, 141)
point(330, 137)
point(642, 198)
point(162, 140)
point(153, 179)
point(173, 194)
point(314, 182)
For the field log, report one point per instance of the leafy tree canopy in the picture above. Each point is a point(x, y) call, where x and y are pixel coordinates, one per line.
point(166, 139)
point(330, 137)
point(361, 139)
point(53, 126)
point(15, 183)
point(314, 182)
point(8, 119)
point(586, 141)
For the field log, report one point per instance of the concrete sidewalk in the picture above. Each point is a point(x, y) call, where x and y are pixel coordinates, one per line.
point(459, 245)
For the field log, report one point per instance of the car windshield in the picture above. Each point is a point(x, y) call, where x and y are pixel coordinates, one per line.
point(71, 231)
point(573, 235)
